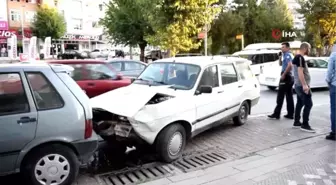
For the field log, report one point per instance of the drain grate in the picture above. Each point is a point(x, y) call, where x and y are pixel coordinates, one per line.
point(195, 162)
point(136, 176)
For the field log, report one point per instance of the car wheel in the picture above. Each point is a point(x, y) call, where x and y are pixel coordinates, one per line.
point(171, 143)
point(53, 164)
point(243, 112)
point(60, 57)
point(75, 57)
point(271, 88)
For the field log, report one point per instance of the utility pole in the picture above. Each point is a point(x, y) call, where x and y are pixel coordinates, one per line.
point(206, 41)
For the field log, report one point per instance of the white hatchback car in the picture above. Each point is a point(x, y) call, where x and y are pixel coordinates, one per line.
point(318, 67)
point(175, 99)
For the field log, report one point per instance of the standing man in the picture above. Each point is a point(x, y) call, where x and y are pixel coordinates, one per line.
point(285, 85)
point(331, 80)
point(302, 89)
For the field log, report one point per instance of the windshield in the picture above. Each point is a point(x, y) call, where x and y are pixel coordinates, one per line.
point(100, 72)
point(178, 75)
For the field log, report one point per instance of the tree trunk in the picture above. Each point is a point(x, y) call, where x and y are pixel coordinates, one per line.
point(142, 52)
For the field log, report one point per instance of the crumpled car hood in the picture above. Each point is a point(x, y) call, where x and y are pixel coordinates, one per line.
point(127, 101)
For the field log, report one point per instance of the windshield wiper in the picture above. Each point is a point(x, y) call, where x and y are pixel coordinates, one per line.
point(160, 82)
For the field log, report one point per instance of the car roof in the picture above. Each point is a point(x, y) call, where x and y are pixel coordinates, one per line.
point(203, 61)
point(76, 61)
point(124, 60)
point(35, 66)
point(258, 51)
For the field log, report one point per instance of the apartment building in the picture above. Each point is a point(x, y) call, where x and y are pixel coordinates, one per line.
point(83, 31)
point(298, 20)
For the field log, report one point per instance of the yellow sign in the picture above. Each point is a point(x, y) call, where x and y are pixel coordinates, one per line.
point(239, 37)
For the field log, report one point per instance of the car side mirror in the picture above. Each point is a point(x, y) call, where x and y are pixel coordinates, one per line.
point(119, 77)
point(204, 89)
point(132, 80)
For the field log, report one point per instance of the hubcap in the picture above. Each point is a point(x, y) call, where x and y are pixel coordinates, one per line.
point(175, 143)
point(52, 169)
point(243, 113)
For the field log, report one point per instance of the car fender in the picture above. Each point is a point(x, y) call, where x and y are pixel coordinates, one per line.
point(38, 142)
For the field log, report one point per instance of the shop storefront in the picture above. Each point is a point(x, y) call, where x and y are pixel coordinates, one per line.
point(76, 42)
point(22, 42)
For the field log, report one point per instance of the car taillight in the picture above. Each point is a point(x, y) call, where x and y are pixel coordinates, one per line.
point(88, 128)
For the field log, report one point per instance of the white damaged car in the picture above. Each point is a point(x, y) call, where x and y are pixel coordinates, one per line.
point(175, 99)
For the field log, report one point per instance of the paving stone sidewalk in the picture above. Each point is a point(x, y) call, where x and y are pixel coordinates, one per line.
point(307, 162)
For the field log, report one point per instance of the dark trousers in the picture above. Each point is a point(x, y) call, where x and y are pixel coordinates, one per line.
point(305, 100)
point(332, 90)
point(285, 89)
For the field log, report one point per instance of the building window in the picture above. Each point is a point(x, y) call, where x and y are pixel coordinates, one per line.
point(30, 1)
point(29, 16)
point(77, 24)
point(15, 15)
point(95, 24)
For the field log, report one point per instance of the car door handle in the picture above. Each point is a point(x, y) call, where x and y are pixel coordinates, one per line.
point(26, 120)
point(220, 92)
point(91, 84)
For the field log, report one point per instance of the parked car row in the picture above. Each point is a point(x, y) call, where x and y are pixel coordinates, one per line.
point(172, 100)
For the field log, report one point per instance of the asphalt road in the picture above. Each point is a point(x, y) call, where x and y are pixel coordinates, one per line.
point(267, 100)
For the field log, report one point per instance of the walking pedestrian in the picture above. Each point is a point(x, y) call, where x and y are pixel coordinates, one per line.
point(302, 89)
point(331, 80)
point(285, 85)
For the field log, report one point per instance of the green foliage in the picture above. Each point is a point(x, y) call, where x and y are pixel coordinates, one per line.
point(176, 23)
point(126, 22)
point(320, 18)
point(48, 23)
point(255, 21)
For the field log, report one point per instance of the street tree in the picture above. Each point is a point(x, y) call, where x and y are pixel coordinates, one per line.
point(177, 23)
point(48, 22)
point(320, 16)
point(254, 19)
point(126, 23)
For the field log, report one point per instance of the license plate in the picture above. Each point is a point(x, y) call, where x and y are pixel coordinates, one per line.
point(270, 79)
point(122, 130)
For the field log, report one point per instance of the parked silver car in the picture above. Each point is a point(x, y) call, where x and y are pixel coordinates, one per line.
point(46, 123)
point(127, 67)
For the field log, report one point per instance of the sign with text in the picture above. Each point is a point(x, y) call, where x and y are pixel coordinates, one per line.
point(80, 37)
point(3, 15)
point(278, 34)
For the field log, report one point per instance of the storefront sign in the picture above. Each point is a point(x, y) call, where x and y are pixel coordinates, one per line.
point(80, 37)
point(3, 15)
point(5, 34)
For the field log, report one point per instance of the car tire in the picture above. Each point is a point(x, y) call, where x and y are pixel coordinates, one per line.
point(243, 113)
point(60, 57)
point(54, 154)
point(271, 88)
point(171, 143)
point(75, 57)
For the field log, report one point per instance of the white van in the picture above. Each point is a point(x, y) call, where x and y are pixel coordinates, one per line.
point(259, 58)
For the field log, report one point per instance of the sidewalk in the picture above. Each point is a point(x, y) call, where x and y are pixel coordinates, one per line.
point(310, 161)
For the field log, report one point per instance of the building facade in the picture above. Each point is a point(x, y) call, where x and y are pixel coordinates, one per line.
point(298, 20)
point(83, 31)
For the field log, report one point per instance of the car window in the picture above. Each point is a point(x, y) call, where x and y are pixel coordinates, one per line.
point(321, 63)
point(258, 59)
point(130, 66)
point(12, 94)
point(210, 77)
point(177, 75)
point(228, 74)
point(77, 73)
point(45, 95)
point(116, 65)
point(270, 57)
point(100, 72)
point(244, 70)
point(311, 63)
